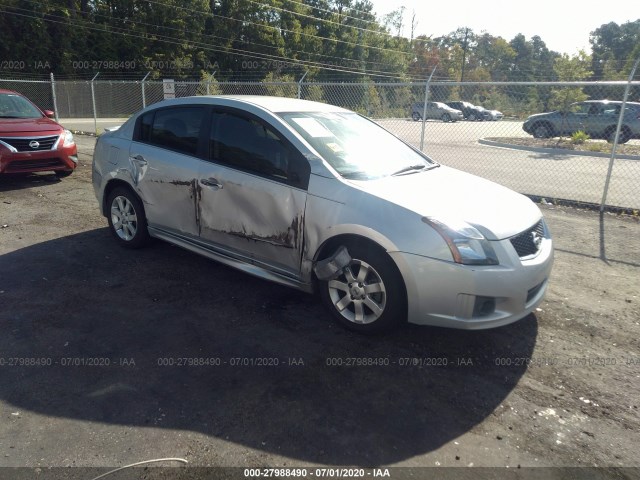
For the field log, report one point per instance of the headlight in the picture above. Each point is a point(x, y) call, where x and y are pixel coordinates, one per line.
point(68, 138)
point(468, 246)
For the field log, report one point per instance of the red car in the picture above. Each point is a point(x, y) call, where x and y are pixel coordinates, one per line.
point(30, 141)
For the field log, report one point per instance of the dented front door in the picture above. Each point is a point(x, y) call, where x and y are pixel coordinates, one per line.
point(252, 217)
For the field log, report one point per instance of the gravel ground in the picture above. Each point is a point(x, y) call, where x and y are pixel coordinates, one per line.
point(558, 389)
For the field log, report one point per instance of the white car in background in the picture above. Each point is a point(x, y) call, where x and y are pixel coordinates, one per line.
point(493, 115)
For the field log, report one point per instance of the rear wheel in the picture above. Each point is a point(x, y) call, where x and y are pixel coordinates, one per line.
point(624, 137)
point(446, 117)
point(472, 117)
point(416, 116)
point(126, 216)
point(368, 295)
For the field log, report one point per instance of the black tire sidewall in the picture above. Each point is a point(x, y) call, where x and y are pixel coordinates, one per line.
point(547, 132)
point(395, 310)
point(142, 235)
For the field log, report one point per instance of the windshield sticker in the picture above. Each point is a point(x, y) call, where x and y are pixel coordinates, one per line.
point(313, 127)
point(335, 148)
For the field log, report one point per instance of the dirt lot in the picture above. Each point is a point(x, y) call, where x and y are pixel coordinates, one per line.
point(98, 348)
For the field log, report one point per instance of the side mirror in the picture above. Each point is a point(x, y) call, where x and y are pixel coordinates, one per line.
point(50, 114)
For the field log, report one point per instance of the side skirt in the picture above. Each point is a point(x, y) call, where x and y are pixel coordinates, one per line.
point(244, 264)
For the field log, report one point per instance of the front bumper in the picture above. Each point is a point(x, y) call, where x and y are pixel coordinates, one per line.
point(447, 294)
point(57, 159)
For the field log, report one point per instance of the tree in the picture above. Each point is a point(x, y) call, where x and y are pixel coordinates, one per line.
point(613, 49)
point(570, 69)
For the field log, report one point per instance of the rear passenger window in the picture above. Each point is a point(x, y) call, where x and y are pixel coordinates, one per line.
point(176, 128)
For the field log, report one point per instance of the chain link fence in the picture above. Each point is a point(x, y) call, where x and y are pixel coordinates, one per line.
point(559, 165)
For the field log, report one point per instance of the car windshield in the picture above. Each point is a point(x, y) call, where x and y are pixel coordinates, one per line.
point(16, 106)
point(356, 147)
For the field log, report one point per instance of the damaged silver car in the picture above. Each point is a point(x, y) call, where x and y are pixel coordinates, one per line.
point(321, 199)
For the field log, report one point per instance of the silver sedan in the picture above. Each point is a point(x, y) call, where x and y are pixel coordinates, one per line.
point(321, 199)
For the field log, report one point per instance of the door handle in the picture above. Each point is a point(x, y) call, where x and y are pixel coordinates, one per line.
point(211, 182)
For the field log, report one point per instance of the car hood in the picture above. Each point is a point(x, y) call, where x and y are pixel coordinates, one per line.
point(446, 193)
point(14, 126)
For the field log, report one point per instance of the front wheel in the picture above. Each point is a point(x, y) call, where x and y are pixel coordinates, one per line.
point(416, 116)
point(126, 216)
point(368, 295)
point(446, 117)
point(472, 117)
point(541, 131)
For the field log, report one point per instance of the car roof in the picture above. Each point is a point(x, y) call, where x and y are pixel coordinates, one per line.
point(270, 103)
point(612, 102)
point(10, 91)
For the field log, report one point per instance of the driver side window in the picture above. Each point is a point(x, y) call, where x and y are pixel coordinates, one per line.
point(250, 145)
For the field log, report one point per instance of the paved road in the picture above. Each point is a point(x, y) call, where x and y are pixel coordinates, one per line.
point(552, 175)
point(89, 125)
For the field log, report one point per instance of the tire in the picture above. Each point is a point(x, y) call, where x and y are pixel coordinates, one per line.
point(374, 278)
point(63, 173)
point(541, 130)
point(416, 116)
point(127, 221)
point(446, 117)
point(624, 137)
point(472, 117)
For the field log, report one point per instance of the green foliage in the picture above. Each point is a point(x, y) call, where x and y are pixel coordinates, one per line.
point(208, 85)
point(280, 85)
point(332, 40)
point(579, 137)
point(570, 69)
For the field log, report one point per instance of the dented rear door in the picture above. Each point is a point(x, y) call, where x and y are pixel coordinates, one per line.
point(168, 186)
point(164, 164)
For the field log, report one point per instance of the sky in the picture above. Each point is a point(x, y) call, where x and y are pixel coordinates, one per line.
point(564, 25)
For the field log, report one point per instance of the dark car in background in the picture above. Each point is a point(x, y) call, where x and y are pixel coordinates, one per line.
point(435, 110)
point(597, 118)
point(470, 111)
point(30, 141)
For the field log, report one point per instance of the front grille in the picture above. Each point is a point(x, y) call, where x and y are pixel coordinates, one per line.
point(23, 144)
point(26, 165)
point(528, 242)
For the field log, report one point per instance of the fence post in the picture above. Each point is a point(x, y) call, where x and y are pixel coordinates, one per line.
point(53, 95)
point(300, 84)
point(144, 98)
point(209, 82)
point(93, 102)
point(424, 107)
point(617, 137)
